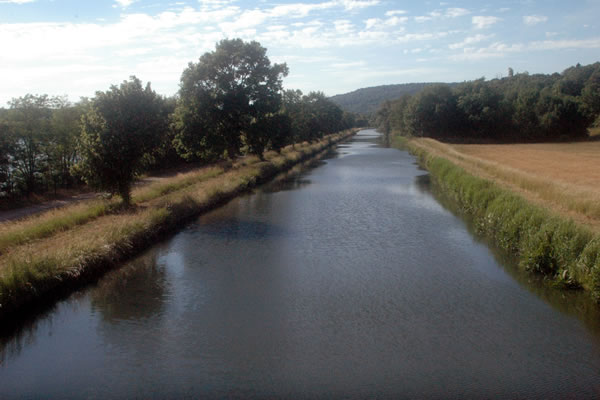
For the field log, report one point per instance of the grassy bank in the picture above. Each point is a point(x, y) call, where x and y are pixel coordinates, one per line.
point(54, 253)
point(546, 242)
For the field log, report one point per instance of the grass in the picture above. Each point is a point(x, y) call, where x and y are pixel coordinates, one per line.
point(546, 242)
point(65, 254)
point(562, 177)
point(43, 225)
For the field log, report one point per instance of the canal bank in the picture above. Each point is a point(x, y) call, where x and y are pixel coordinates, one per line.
point(43, 270)
point(564, 252)
point(348, 280)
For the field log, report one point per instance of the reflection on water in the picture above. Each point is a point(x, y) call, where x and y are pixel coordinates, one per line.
point(571, 302)
point(351, 279)
point(134, 292)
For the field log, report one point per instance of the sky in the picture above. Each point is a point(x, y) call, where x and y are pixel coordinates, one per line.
point(77, 47)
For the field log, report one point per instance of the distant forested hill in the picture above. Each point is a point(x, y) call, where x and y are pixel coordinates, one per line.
point(368, 100)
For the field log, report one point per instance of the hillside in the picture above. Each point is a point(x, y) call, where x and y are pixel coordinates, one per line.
point(367, 100)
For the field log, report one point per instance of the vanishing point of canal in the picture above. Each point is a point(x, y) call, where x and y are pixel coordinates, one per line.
point(348, 280)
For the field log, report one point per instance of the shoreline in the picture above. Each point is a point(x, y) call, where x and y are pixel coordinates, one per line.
point(554, 246)
point(43, 271)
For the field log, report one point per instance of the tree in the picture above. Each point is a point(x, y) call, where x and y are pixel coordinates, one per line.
point(6, 150)
point(29, 120)
point(271, 131)
point(120, 126)
point(222, 96)
point(62, 148)
point(590, 94)
point(432, 112)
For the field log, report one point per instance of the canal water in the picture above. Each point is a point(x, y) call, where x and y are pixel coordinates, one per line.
point(347, 280)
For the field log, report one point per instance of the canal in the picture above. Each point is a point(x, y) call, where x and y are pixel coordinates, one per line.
point(349, 279)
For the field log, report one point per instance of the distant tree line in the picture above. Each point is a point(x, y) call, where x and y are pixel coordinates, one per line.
point(231, 102)
point(366, 101)
point(518, 108)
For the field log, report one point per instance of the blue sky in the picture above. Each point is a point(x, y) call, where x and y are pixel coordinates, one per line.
point(68, 47)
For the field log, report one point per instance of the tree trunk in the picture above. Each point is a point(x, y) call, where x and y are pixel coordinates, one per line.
point(125, 193)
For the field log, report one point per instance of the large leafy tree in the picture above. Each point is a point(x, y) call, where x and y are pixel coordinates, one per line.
point(120, 126)
point(228, 96)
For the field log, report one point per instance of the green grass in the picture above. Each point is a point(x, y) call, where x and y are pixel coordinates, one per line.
point(33, 269)
point(546, 243)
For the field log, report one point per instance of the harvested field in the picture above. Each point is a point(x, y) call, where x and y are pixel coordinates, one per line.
point(564, 177)
point(570, 163)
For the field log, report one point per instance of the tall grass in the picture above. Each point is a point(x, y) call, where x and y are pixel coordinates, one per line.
point(576, 202)
point(546, 243)
point(41, 226)
point(37, 268)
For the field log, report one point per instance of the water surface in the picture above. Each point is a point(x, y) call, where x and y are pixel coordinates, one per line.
point(348, 280)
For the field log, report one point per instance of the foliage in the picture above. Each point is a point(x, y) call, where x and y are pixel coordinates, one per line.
point(231, 102)
point(37, 144)
point(367, 101)
point(545, 243)
point(41, 266)
point(121, 126)
point(229, 94)
point(517, 108)
point(29, 124)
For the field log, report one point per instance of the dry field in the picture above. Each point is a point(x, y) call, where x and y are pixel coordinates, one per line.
point(564, 177)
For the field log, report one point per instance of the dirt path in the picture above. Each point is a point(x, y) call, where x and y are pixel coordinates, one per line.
point(23, 212)
point(18, 213)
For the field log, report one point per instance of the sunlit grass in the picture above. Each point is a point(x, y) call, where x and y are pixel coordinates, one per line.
point(30, 268)
point(563, 177)
point(546, 242)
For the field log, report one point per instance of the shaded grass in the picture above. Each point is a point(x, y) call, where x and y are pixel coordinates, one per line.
point(547, 243)
point(37, 269)
point(39, 226)
point(43, 225)
point(14, 233)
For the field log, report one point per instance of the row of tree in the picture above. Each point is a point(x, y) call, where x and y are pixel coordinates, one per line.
point(520, 108)
point(230, 102)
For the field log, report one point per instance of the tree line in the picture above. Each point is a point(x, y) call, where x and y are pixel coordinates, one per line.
point(230, 103)
point(517, 108)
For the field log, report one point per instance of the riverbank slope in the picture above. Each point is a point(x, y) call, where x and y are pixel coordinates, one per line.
point(54, 253)
point(549, 219)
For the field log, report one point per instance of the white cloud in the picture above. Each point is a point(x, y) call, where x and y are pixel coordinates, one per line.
point(495, 50)
point(448, 13)
point(391, 13)
point(394, 21)
point(372, 22)
point(124, 3)
point(423, 18)
point(343, 26)
point(299, 10)
point(500, 49)
point(17, 1)
point(357, 4)
point(457, 12)
point(470, 41)
point(534, 19)
point(346, 65)
point(409, 37)
point(482, 22)
point(566, 44)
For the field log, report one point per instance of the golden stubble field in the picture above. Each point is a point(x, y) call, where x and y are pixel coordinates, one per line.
point(564, 177)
